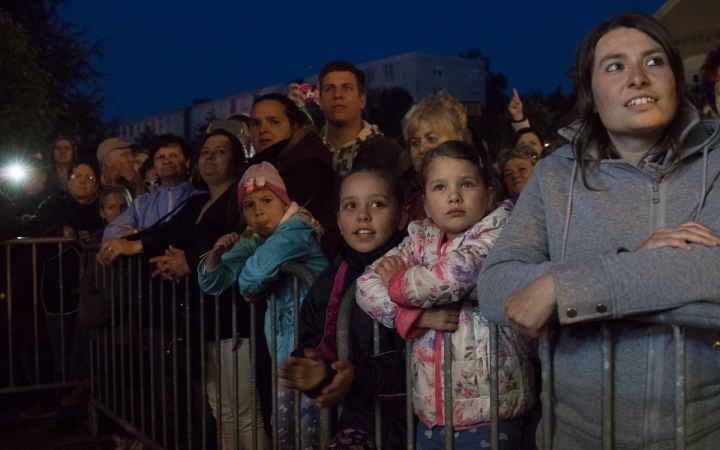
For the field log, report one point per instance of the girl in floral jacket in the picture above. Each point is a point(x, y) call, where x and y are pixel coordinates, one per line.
point(421, 288)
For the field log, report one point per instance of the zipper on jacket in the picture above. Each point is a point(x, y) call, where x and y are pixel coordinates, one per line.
point(655, 193)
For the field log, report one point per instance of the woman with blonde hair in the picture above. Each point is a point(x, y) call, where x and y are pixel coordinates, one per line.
point(436, 119)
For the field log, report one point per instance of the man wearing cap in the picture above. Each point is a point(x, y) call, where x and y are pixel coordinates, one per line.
point(116, 161)
point(353, 142)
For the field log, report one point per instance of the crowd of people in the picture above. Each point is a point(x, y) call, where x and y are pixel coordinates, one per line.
point(617, 219)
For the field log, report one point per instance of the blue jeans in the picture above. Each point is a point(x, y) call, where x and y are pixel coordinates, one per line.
point(474, 438)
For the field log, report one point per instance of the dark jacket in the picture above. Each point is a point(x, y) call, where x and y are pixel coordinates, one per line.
point(305, 165)
point(60, 209)
point(375, 376)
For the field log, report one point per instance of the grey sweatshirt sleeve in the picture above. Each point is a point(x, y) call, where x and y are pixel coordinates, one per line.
point(520, 254)
point(623, 283)
point(614, 284)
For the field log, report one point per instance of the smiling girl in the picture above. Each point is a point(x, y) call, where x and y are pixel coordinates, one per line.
point(372, 222)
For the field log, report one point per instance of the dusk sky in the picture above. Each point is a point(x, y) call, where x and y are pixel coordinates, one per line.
point(158, 55)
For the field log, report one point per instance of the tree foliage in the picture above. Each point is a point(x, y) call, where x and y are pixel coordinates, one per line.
point(386, 108)
point(545, 112)
point(65, 55)
point(26, 115)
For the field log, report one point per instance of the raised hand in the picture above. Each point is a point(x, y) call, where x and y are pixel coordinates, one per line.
point(516, 107)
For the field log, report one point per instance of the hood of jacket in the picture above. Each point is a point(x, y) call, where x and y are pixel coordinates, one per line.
point(696, 136)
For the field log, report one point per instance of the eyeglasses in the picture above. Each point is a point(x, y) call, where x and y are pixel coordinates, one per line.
point(84, 177)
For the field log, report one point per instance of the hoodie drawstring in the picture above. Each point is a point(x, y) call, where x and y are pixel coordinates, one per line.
point(568, 210)
point(703, 184)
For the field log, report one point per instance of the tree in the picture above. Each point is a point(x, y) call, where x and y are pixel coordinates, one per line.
point(496, 100)
point(26, 115)
point(146, 138)
point(386, 109)
point(72, 83)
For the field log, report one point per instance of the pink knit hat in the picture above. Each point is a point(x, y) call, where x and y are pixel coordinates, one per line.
point(262, 176)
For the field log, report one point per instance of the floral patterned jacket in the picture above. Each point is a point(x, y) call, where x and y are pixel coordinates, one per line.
point(444, 273)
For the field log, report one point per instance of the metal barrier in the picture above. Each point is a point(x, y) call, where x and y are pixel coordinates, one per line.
point(145, 358)
point(691, 315)
point(26, 287)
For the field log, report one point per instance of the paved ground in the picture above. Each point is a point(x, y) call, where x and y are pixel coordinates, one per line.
point(66, 431)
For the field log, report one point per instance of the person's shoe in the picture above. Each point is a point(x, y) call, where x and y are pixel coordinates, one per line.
point(40, 411)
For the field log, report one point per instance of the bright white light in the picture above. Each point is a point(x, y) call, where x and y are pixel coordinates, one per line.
point(17, 172)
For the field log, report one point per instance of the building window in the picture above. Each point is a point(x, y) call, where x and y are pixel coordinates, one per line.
point(388, 68)
point(233, 106)
point(370, 76)
point(437, 72)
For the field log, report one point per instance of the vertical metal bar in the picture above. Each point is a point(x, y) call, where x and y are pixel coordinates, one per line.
point(447, 390)
point(163, 380)
point(151, 357)
point(273, 368)
point(253, 375)
point(176, 410)
point(203, 375)
point(679, 337)
point(131, 338)
point(378, 412)
point(141, 345)
point(107, 366)
point(121, 310)
point(113, 344)
point(8, 274)
point(296, 334)
point(218, 372)
point(409, 416)
point(35, 314)
point(546, 392)
point(188, 364)
point(494, 394)
point(607, 385)
point(236, 400)
point(62, 314)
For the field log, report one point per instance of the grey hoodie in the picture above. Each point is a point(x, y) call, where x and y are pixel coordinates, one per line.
point(585, 240)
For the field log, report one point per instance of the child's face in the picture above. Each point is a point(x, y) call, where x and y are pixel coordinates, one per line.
point(369, 214)
point(113, 206)
point(263, 211)
point(455, 196)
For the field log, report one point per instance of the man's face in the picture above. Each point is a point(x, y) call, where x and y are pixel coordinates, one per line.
point(119, 161)
point(340, 100)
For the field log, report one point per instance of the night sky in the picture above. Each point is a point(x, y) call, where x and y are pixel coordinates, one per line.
point(158, 55)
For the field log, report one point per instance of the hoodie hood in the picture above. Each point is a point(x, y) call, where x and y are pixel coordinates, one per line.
point(697, 135)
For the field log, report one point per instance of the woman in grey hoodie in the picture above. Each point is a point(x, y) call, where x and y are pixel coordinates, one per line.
point(619, 225)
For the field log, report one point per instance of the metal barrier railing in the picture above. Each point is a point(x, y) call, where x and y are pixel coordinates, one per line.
point(25, 284)
point(147, 348)
point(692, 315)
point(152, 399)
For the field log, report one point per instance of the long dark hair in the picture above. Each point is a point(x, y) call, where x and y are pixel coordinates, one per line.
point(590, 128)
